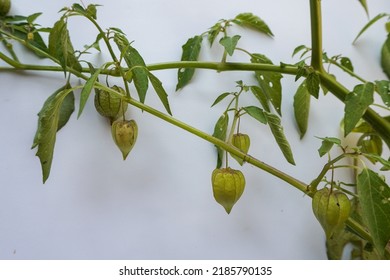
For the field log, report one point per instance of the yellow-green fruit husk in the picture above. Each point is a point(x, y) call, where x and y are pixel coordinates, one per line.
point(124, 134)
point(110, 105)
point(332, 209)
point(228, 186)
point(5, 6)
point(242, 142)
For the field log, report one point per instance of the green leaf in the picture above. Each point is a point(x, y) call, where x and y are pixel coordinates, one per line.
point(261, 96)
point(383, 88)
point(374, 197)
point(313, 84)
point(327, 145)
point(191, 50)
point(252, 21)
point(221, 97)
point(298, 49)
point(277, 130)
point(86, 91)
point(256, 113)
point(376, 158)
point(60, 46)
point(365, 6)
point(66, 109)
point(136, 65)
point(220, 131)
point(269, 82)
point(302, 108)
point(370, 144)
point(347, 63)
point(92, 11)
point(31, 18)
point(230, 43)
point(371, 22)
point(53, 115)
point(385, 57)
point(162, 94)
point(356, 104)
point(213, 32)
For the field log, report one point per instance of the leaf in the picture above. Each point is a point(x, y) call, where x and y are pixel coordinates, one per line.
point(221, 97)
point(220, 131)
point(136, 64)
point(277, 130)
point(385, 57)
point(374, 197)
point(191, 50)
point(327, 145)
point(53, 115)
point(356, 104)
point(86, 91)
point(269, 82)
point(347, 63)
point(252, 21)
point(313, 84)
point(230, 43)
point(371, 22)
point(31, 18)
point(365, 6)
point(157, 85)
point(370, 144)
point(92, 11)
point(302, 108)
point(66, 109)
point(61, 47)
point(299, 49)
point(213, 32)
point(375, 157)
point(256, 113)
point(383, 88)
point(263, 99)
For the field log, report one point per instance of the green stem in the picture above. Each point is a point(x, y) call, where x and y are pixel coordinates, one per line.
point(316, 35)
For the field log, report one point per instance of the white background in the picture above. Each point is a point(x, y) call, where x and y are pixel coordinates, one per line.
point(158, 204)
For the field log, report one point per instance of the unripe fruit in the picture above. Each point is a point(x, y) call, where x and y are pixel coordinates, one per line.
point(332, 209)
point(124, 134)
point(5, 6)
point(110, 105)
point(242, 142)
point(228, 186)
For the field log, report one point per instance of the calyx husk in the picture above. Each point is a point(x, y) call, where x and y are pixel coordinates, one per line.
point(332, 209)
point(242, 142)
point(110, 105)
point(228, 186)
point(5, 6)
point(125, 135)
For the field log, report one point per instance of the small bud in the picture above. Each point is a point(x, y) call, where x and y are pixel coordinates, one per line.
point(242, 142)
point(124, 134)
point(110, 105)
point(332, 209)
point(228, 186)
point(30, 36)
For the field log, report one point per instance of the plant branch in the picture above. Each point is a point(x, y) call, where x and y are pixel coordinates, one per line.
point(316, 35)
